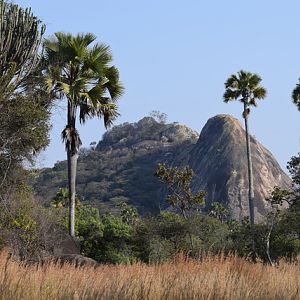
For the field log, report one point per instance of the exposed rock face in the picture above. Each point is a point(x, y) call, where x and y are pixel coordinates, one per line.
point(122, 166)
point(220, 163)
point(146, 131)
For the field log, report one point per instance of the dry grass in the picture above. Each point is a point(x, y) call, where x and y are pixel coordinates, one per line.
point(213, 278)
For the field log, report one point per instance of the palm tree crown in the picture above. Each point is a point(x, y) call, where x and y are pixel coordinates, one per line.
point(244, 86)
point(84, 76)
point(296, 94)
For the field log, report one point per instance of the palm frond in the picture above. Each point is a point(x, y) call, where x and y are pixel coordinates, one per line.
point(231, 95)
point(86, 111)
point(94, 94)
point(71, 138)
point(259, 93)
point(113, 85)
point(109, 112)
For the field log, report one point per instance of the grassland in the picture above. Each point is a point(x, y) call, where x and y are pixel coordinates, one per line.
point(212, 278)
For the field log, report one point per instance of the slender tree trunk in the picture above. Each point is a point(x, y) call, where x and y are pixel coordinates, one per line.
point(268, 244)
point(250, 172)
point(250, 180)
point(72, 167)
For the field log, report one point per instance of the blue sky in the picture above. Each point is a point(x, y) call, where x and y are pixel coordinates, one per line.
point(174, 56)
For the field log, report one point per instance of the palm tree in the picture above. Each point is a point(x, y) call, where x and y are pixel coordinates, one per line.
point(83, 75)
point(296, 95)
point(245, 86)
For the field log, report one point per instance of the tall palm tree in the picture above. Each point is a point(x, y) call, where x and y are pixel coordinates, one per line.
point(82, 74)
point(245, 87)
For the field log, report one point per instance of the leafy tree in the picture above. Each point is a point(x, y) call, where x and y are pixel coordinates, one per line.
point(24, 128)
point(180, 195)
point(115, 246)
point(294, 168)
point(83, 75)
point(129, 214)
point(89, 230)
point(245, 87)
point(160, 117)
point(218, 211)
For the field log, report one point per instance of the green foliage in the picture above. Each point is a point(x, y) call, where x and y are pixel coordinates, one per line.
point(294, 168)
point(25, 225)
point(24, 131)
point(61, 199)
point(84, 76)
point(89, 230)
point(20, 35)
point(129, 214)
point(107, 239)
point(279, 196)
point(160, 238)
point(296, 95)
point(244, 86)
point(180, 195)
point(217, 210)
point(114, 247)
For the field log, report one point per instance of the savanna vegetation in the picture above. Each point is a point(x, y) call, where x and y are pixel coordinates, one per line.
point(214, 277)
point(187, 249)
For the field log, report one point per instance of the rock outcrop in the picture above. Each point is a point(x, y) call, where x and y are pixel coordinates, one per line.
point(122, 166)
point(220, 163)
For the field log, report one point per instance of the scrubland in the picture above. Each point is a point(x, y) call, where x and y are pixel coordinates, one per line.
point(211, 278)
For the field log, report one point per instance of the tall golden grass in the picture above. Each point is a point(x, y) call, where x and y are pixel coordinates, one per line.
point(212, 278)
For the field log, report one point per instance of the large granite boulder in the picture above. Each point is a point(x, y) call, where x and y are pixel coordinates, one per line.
point(220, 163)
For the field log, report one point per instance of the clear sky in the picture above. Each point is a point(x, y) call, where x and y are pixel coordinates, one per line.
point(174, 56)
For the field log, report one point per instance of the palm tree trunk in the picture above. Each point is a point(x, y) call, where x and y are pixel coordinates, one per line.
point(250, 172)
point(72, 167)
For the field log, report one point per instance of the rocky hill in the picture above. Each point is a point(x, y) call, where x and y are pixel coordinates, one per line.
point(122, 166)
point(220, 163)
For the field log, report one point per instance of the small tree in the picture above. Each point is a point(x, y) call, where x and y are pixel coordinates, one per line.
point(129, 214)
point(159, 116)
point(218, 211)
point(180, 195)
